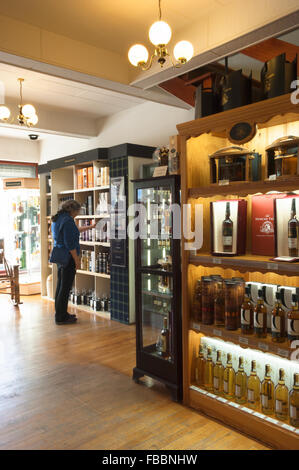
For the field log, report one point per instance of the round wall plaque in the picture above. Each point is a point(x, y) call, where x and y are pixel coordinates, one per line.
point(241, 132)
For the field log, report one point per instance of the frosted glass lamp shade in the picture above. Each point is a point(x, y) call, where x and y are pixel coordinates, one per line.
point(33, 120)
point(160, 33)
point(138, 54)
point(28, 111)
point(183, 51)
point(4, 113)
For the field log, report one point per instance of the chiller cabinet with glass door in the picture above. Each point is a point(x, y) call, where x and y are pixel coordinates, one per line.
point(158, 282)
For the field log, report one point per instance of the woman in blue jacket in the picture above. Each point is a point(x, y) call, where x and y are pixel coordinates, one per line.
point(66, 235)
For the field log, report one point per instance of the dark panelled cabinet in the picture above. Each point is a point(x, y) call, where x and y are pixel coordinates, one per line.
point(158, 284)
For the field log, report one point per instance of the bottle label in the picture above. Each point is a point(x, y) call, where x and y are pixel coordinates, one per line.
point(265, 401)
point(276, 324)
point(245, 317)
point(258, 320)
point(227, 241)
point(238, 390)
point(293, 242)
point(278, 406)
point(294, 412)
point(216, 383)
point(293, 327)
point(225, 386)
point(250, 395)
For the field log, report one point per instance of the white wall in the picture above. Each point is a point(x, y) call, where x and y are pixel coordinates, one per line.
point(19, 150)
point(145, 124)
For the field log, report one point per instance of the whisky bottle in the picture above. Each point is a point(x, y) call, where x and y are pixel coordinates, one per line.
point(229, 379)
point(293, 320)
point(294, 402)
point(247, 314)
point(208, 372)
point(241, 383)
point(200, 367)
point(218, 375)
point(267, 392)
point(293, 231)
point(232, 311)
point(278, 329)
point(260, 317)
point(253, 388)
point(227, 231)
point(163, 349)
point(281, 398)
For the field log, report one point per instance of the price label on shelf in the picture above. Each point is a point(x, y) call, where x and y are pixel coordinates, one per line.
point(235, 405)
point(283, 352)
point(216, 261)
point(196, 326)
point(217, 332)
point(288, 427)
point(259, 415)
point(243, 340)
point(263, 346)
point(223, 182)
point(271, 420)
point(272, 266)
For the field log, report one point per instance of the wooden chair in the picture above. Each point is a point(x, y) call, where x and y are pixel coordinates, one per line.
point(9, 278)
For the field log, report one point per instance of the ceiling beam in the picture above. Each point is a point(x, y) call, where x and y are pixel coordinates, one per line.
point(91, 80)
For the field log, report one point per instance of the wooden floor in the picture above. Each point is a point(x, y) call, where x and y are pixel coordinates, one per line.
point(70, 387)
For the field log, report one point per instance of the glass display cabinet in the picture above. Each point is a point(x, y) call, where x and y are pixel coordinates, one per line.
point(158, 282)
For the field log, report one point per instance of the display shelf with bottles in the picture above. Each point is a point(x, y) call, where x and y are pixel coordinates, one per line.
point(157, 255)
point(94, 201)
point(219, 324)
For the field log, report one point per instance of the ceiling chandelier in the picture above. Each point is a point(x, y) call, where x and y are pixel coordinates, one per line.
point(27, 114)
point(160, 35)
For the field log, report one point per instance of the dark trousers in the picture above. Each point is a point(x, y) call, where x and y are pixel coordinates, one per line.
point(66, 276)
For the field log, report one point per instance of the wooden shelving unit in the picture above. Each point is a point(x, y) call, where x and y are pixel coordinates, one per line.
point(64, 183)
point(198, 139)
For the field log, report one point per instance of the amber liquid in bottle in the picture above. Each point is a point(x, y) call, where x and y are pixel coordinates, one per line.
point(208, 373)
point(241, 383)
point(293, 231)
point(267, 392)
point(253, 388)
point(260, 317)
point(281, 398)
point(218, 375)
point(294, 403)
point(164, 349)
point(229, 377)
point(278, 329)
point(293, 320)
point(247, 314)
point(227, 231)
point(200, 368)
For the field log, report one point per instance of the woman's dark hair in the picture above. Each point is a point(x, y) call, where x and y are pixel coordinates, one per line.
point(67, 207)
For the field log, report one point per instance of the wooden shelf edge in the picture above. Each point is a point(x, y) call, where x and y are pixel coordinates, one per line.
point(85, 308)
point(90, 273)
point(245, 264)
point(259, 428)
point(245, 341)
point(243, 188)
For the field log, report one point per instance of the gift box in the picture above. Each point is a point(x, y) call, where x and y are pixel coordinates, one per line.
point(282, 157)
point(262, 225)
point(228, 227)
point(286, 228)
point(234, 164)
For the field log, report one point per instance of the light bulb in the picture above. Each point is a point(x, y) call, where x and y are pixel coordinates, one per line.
point(160, 33)
point(33, 120)
point(4, 113)
point(138, 54)
point(183, 51)
point(28, 110)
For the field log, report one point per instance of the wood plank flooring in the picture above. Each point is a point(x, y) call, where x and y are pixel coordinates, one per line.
point(70, 387)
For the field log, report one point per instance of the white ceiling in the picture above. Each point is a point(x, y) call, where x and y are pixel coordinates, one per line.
point(87, 100)
point(112, 25)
